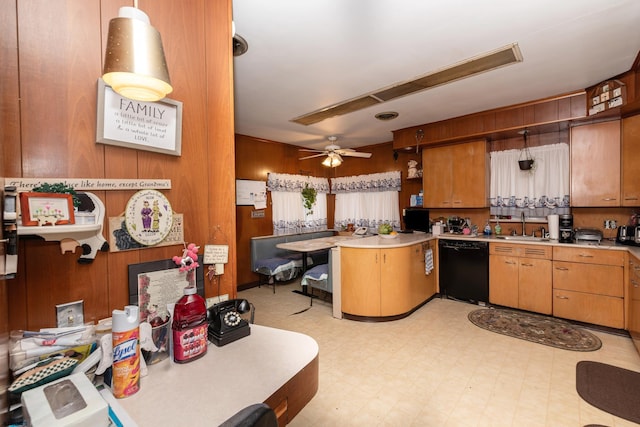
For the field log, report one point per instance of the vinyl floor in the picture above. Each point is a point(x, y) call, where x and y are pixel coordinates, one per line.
point(435, 368)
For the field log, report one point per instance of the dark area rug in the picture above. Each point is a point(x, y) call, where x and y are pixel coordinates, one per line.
point(609, 388)
point(536, 328)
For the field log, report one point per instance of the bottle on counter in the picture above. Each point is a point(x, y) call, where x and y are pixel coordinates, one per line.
point(498, 228)
point(126, 351)
point(487, 229)
point(189, 327)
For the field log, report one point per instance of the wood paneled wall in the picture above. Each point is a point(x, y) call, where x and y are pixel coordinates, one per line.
point(49, 131)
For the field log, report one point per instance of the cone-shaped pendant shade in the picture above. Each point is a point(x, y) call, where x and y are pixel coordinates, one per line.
point(134, 64)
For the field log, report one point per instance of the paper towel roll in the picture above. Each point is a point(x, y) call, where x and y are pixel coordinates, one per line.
point(553, 223)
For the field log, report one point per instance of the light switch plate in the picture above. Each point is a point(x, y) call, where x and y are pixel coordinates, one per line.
point(70, 314)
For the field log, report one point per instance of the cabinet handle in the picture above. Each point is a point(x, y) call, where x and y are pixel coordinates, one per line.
point(457, 202)
point(634, 283)
point(527, 265)
point(561, 297)
point(631, 198)
point(510, 262)
point(609, 199)
point(585, 256)
point(562, 268)
point(384, 258)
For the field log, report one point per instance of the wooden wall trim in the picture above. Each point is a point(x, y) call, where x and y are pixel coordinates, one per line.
point(542, 116)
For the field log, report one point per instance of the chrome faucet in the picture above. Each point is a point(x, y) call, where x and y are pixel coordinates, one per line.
point(524, 231)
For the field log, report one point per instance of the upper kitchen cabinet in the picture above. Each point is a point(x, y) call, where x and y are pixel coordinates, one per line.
point(595, 164)
point(456, 176)
point(631, 161)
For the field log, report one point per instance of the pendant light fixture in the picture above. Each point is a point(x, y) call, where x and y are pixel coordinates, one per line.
point(134, 64)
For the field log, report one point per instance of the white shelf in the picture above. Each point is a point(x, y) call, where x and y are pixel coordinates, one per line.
point(59, 232)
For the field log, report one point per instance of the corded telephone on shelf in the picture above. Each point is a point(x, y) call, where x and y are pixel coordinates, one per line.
point(225, 323)
point(360, 231)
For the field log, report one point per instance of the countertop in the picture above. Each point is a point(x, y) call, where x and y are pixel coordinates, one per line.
point(408, 239)
point(378, 242)
point(207, 391)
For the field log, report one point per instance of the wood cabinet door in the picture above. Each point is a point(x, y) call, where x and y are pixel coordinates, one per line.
point(595, 164)
point(421, 285)
point(437, 177)
point(591, 278)
point(395, 276)
point(503, 280)
point(631, 161)
point(470, 177)
point(589, 308)
point(535, 290)
point(360, 277)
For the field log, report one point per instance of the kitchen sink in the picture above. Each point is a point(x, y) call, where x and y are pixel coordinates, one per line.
point(524, 238)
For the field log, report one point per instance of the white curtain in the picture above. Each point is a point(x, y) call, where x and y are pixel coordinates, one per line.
point(288, 211)
point(540, 191)
point(367, 200)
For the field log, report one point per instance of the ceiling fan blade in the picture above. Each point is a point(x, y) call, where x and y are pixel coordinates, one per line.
point(312, 151)
point(353, 154)
point(311, 157)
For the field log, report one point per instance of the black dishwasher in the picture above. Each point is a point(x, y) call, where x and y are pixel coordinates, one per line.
point(464, 270)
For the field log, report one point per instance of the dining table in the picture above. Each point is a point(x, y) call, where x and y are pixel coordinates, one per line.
point(305, 247)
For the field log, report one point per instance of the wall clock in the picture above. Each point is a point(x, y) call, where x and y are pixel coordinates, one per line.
point(148, 217)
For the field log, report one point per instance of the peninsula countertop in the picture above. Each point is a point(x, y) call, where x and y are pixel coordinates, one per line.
point(207, 391)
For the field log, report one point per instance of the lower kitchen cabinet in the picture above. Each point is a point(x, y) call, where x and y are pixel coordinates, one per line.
point(385, 282)
point(634, 300)
point(588, 285)
point(520, 276)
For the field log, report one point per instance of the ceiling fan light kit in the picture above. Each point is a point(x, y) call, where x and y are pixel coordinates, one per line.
point(334, 153)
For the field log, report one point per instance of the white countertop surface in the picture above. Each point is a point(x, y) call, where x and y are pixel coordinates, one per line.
point(209, 390)
point(378, 242)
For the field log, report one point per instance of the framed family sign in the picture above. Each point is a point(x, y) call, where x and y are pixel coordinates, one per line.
point(152, 126)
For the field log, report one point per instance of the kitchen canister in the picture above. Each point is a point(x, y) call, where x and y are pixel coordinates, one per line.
point(553, 223)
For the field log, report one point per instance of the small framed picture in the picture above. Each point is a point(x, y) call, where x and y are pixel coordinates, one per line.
point(46, 208)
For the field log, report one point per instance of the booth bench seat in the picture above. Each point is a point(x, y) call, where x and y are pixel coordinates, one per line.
point(279, 265)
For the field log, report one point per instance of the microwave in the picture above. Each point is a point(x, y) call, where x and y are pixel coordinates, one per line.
point(416, 219)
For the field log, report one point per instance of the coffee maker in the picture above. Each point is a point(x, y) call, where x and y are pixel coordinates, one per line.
point(565, 228)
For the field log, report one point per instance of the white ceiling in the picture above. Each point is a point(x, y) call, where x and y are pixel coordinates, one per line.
point(305, 55)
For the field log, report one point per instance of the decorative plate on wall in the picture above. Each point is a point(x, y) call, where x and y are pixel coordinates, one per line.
point(148, 217)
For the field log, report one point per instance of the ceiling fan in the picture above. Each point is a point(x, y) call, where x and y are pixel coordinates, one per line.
point(334, 153)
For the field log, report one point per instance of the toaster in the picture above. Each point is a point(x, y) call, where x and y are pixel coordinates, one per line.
point(588, 235)
point(629, 235)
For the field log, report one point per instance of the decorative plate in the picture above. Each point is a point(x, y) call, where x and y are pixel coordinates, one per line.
point(148, 217)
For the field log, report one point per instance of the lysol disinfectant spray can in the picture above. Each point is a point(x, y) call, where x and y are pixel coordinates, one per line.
point(126, 351)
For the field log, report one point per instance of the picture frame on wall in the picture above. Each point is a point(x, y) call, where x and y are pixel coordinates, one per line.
point(46, 209)
point(151, 126)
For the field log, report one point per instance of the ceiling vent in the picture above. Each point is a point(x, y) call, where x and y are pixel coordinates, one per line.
point(489, 61)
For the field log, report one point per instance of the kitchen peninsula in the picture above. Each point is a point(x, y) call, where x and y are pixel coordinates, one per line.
point(384, 278)
point(208, 391)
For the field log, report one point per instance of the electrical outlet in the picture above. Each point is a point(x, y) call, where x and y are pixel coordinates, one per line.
point(214, 300)
point(613, 224)
point(70, 314)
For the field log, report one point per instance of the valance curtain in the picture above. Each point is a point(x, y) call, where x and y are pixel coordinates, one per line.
point(538, 192)
point(289, 214)
point(367, 200)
